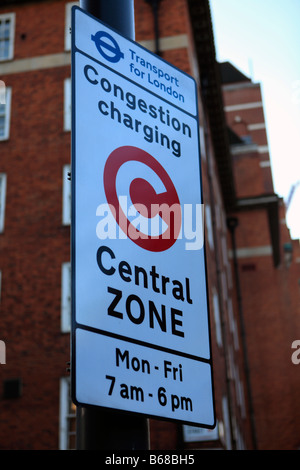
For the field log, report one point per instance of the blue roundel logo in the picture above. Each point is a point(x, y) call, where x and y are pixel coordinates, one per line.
point(107, 46)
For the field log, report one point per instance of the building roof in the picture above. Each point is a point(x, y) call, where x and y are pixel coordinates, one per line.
point(230, 74)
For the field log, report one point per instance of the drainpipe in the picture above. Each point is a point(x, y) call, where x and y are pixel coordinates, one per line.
point(155, 5)
point(232, 223)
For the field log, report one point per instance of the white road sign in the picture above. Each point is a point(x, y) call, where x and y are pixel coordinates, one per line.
point(140, 323)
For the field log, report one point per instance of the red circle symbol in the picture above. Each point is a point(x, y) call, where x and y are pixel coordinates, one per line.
point(145, 199)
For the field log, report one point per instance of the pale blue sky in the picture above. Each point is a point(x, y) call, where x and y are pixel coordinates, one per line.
point(262, 39)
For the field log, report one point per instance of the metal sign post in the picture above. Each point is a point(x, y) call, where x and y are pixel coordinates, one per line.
point(98, 429)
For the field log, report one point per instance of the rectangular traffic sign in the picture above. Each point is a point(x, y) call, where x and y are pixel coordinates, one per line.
point(140, 321)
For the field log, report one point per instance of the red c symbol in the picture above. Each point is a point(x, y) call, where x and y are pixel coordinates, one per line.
point(144, 197)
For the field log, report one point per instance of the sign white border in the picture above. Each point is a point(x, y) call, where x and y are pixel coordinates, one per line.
point(88, 335)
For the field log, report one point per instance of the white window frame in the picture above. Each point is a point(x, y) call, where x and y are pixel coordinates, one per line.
point(226, 420)
point(240, 393)
point(68, 25)
point(66, 297)
point(208, 223)
point(2, 352)
point(66, 196)
point(6, 114)
point(202, 142)
point(2, 92)
point(67, 104)
point(11, 17)
point(2, 200)
point(217, 318)
point(232, 324)
point(64, 413)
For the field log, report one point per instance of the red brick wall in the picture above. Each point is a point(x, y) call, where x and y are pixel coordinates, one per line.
point(172, 18)
point(270, 296)
point(248, 176)
point(35, 244)
point(39, 28)
point(33, 247)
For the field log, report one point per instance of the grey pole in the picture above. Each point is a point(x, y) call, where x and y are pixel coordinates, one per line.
point(118, 14)
point(99, 429)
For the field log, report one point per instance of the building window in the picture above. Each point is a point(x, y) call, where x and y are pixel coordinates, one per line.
point(67, 418)
point(232, 324)
point(217, 318)
point(66, 196)
point(5, 115)
point(209, 226)
point(2, 200)
point(226, 420)
point(67, 104)
point(68, 25)
point(240, 393)
point(247, 139)
point(2, 92)
point(66, 297)
point(202, 143)
point(7, 33)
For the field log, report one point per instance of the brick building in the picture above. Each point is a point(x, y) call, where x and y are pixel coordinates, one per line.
point(253, 267)
point(268, 267)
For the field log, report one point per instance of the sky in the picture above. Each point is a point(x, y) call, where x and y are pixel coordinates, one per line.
point(262, 39)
